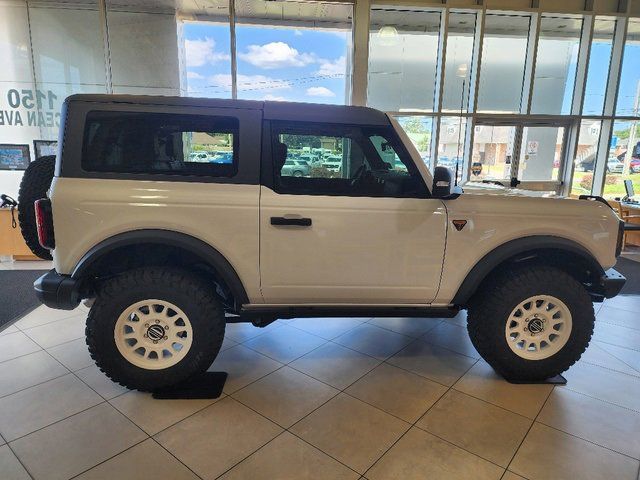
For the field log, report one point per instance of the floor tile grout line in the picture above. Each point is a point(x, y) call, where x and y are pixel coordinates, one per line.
point(412, 425)
point(288, 429)
point(601, 321)
point(619, 359)
point(172, 455)
point(567, 387)
point(315, 409)
point(20, 461)
point(74, 372)
point(586, 362)
point(616, 345)
point(22, 355)
point(530, 427)
point(637, 459)
point(35, 384)
point(213, 402)
point(109, 458)
point(59, 420)
point(23, 330)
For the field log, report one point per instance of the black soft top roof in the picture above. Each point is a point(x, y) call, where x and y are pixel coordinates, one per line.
point(286, 111)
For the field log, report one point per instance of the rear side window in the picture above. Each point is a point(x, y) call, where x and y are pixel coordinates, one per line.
point(161, 143)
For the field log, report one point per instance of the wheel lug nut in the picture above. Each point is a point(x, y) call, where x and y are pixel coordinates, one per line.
point(157, 321)
point(146, 336)
point(166, 327)
point(146, 325)
point(166, 337)
point(155, 341)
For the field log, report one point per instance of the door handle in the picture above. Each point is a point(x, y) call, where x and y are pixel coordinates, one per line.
point(297, 222)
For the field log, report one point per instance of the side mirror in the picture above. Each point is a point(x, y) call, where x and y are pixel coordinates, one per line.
point(443, 184)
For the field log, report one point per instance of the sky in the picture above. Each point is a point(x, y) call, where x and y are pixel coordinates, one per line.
point(306, 65)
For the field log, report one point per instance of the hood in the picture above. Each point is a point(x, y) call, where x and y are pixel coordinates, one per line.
point(479, 188)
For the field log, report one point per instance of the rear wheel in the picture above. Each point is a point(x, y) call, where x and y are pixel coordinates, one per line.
point(34, 186)
point(531, 323)
point(154, 327)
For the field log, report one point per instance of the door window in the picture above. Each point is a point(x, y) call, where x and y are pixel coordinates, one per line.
point(342, 160)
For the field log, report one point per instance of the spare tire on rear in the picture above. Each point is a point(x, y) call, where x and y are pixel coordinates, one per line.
point(34, 186)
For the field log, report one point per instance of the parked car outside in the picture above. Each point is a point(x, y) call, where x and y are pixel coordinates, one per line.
point(296, 168)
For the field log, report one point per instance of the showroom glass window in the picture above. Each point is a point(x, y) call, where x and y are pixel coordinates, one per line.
point(419, 128)
point(556, 64)
point(169, 144)
point(599, 63)
point(629, 90)
point(458, 63)
point(403, 53)
point(294, 51)
point(623, 161)
point(585, 159)
point(207, 54)
point(504, 52)
point(451, 144)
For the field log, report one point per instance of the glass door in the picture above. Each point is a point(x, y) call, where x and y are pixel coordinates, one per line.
point(540, 159)
point(518, 153)
point(493, 153)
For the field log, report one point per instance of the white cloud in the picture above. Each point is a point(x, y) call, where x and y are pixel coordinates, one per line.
point(274, 98)
point(276, 55)
point(333, 67)
point(297, 33)
point(320, 92)
point(249, 82)
point(194, 75)
point(202, 52)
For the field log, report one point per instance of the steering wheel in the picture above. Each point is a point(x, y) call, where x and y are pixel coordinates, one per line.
point(358, 175)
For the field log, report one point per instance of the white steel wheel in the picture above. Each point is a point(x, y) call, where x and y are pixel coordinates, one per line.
point(538, 327)
point(153, 334)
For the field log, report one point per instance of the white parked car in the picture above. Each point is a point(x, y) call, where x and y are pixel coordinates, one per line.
point(163, 251)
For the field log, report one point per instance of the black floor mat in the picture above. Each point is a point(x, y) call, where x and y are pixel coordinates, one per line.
point(17, 297)
point(206, 385)
point(631, 270)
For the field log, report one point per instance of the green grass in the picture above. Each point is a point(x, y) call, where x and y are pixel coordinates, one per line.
point(614, 185)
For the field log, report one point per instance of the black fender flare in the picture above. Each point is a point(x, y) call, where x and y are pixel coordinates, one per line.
point(518, 249)
point(166, 237)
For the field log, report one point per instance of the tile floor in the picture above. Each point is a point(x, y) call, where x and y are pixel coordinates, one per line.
point(323, 399)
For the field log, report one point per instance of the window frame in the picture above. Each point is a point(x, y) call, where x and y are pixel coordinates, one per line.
point(273, 128)
point(74, 114)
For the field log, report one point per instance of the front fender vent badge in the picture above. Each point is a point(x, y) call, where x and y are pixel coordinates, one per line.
point(459, 224)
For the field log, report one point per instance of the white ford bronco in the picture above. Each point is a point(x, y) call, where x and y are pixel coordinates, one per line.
point(168, 245)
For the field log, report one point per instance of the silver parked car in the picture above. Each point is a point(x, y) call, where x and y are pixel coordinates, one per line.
point(295, 168)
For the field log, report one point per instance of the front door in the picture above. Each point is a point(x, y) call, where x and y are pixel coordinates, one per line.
point(356, 227)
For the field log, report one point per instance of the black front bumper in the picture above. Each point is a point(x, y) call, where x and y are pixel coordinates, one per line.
point(57, 291)
point(609, 285)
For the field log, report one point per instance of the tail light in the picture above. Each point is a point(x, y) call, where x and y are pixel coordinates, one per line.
point(44, 223)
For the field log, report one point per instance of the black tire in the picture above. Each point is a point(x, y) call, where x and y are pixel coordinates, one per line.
point(492, 305)
point(186, 292)
point(34, 186)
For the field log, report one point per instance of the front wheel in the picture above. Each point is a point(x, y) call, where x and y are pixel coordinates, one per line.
point(531, 323)
point(151, 328)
